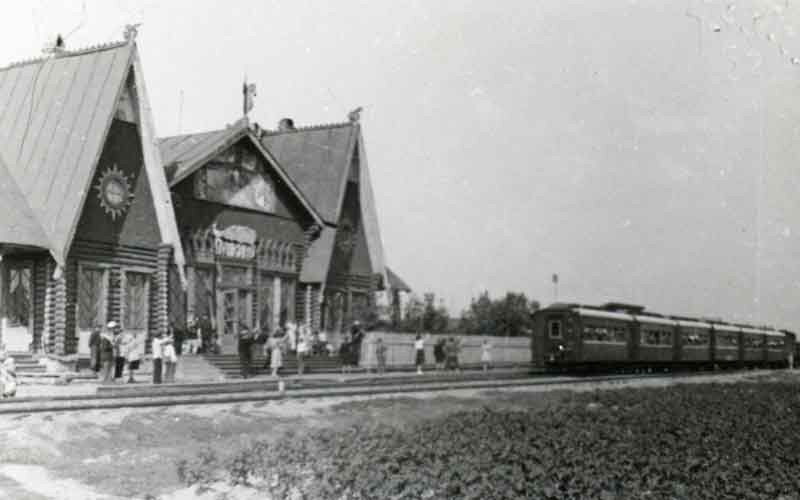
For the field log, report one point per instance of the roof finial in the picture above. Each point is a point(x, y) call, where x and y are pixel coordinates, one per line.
point(58, 46)
point(131, 30)
point(355, 115)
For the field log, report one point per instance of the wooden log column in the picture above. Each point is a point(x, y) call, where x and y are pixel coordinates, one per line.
point(160, 307)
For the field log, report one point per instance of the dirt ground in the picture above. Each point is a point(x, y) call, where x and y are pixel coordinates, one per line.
point(132, 453)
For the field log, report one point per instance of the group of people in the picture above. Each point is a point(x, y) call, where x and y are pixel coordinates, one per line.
point(114, 353)
point(350, 348)
point(445, 354)
point(288, 339)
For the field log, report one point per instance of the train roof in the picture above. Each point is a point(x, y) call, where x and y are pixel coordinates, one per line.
point(638, 313)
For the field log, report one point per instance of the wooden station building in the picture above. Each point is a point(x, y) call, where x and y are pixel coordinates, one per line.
point(87, 231)
point(276, 225)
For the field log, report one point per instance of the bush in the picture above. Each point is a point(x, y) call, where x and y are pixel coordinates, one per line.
point(698, 442)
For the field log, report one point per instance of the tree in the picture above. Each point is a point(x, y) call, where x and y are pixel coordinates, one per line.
point(424, 315)
point(509, 316)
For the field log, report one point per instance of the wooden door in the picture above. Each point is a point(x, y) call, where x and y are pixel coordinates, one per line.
point(18, 299)
point(91, 304)
point(135, 306)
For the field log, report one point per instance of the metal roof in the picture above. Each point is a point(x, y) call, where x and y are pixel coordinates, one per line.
point(317, 160)
point(596, 313)
point(318, 258)
point(18, 225)
point(693, 324)
point(54, 116)
point(184, 154)
point(656, 320)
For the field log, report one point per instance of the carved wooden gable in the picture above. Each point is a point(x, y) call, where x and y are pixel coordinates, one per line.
point(236, 177)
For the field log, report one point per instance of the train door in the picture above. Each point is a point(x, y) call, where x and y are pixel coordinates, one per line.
point(555, 341)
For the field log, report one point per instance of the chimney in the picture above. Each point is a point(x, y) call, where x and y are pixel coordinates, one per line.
point(286, 125)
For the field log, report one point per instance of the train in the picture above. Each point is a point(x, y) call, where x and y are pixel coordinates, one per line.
point(617, 336)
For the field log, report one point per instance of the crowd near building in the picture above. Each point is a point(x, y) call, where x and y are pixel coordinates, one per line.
point(244, 227)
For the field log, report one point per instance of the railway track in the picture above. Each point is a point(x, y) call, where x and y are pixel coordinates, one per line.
point(267, 390)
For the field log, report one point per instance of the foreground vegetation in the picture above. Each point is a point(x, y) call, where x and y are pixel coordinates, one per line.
point(683, 442)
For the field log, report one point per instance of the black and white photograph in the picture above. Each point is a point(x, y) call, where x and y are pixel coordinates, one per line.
point(399, 250)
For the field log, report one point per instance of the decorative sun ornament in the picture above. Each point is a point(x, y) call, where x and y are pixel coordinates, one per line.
point(114, 192)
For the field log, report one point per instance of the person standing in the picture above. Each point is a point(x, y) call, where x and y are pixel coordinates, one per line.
point(133, 355)
point(302, 349)
point(438, 354)
point(486, 354)
point(344, 353)
point(380, 353)
point(106, 348)
point(245, 350)
point(275, 344)
point(158, 354)
point(119, 355)
point(419, 353)
point(356, 336)
point(169, 356)
point(450, 354)
point(94, 350)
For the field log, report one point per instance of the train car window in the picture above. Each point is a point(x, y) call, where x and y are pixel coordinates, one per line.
point(554, 327)
point(753, 341)
point(605, 333)
point(695, 337)
point(727, 339)
point(656, 336)
point(776, 342)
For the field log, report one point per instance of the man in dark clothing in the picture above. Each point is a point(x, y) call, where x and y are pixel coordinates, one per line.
point(245, 349)
point(356, 336)
point(94, 350)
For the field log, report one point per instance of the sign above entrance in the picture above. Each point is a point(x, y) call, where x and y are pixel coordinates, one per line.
point(236, 242)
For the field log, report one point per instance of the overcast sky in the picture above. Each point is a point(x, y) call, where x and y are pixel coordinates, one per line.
point(646, 151)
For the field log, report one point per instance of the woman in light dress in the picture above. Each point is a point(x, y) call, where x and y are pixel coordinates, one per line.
point(275, 344)
point(486, 355)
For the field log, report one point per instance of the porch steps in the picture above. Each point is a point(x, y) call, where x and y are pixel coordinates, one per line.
point(230, 366)
point(196, 368)
point(26, 363)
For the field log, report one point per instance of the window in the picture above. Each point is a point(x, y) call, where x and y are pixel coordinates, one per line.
point(554, 327)
point(656, 335)
point(695, 337)
point(753, 341)
point(727, 339)
point(775, 342)
point(136, 301)
point(611, 333)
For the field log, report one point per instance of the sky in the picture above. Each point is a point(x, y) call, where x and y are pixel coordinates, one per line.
point(643, 150)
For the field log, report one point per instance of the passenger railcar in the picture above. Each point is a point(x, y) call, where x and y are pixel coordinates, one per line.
point(615, 336)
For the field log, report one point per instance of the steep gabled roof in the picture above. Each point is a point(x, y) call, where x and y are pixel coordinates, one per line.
point(55, 113)
point(18, 224)
point(319, 159)
point(54, 116)
point(182, 155)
